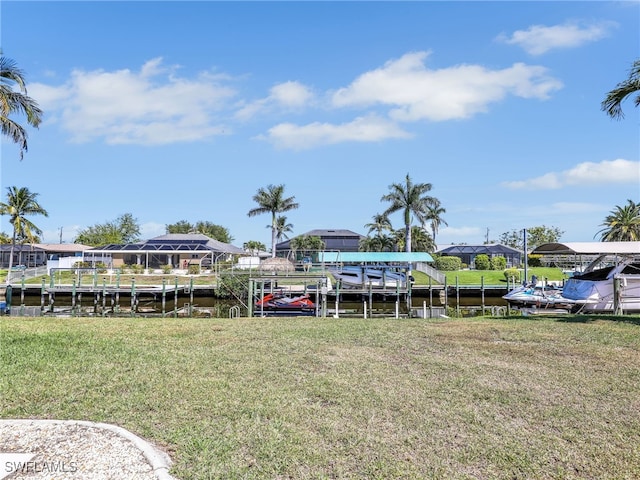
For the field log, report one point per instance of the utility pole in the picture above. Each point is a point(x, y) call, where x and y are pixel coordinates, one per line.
point(60, 234)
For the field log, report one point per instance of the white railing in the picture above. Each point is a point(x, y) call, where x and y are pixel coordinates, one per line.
point(437, 275)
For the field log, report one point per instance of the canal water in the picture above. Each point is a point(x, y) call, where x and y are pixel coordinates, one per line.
point(222, 308)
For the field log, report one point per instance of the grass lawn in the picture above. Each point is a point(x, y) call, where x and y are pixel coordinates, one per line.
point(307, 398)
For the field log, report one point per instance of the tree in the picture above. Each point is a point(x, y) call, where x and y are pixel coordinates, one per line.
point(622, 225)
point(254, 247)
point(20, 203)
point(421, 241)
point(211, 230)
point(282, 228)
point(380, 224)
point(272, 200)
point(307, 243)
point(536, 236)
point(16, 102)
point(612, 104)
point(377, 243)
point(412, 200)
point(181, 226)
point(123, 230)
point(4, 238)
point(434, 217)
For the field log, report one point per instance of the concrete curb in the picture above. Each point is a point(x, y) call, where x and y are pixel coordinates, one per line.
point(159, 460)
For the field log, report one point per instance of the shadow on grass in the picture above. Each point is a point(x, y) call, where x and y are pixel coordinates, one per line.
point(584, 318)
point(578, 318)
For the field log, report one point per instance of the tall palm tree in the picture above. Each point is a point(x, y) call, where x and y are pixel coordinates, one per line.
point(12, 102)
point(379, 225)
point(612, 104)
point(434, 217)
point(272, 200)
point(20, 203)
point(412, 200)
point(623, 225)
point(282, 228)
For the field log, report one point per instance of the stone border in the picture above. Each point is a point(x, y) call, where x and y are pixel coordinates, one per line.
point(160, 462)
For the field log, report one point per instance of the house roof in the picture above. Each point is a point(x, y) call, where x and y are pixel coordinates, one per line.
point(588, 248)
point(63, 247)
point(336, 232)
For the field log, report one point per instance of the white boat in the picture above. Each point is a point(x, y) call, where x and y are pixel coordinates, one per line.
point(355, 276)
point(609, 284)
point(538, 296)
point(608, 276)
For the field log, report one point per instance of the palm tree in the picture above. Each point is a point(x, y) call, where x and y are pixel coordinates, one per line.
point(377, 243)
point(254, 247)
point(412, 200)
point(623, 225)
point(282, 228)
point(20, 203)
point(434, 216)
point(271, 200)
point(421, 241)
point(16, 102)
point(379, 225)
point(612, 104)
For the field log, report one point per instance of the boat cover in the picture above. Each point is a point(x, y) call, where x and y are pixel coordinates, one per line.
point(588, 248)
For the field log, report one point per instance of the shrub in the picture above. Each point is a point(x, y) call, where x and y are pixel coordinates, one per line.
point(534, 260)
point(166, 269)
point(194, 269)
point(137, 268)
point(498, 263)
point(482, 262)
point(512, 275)
point(448, 263)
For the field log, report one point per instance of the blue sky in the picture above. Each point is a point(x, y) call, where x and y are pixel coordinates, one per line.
point(182, 110)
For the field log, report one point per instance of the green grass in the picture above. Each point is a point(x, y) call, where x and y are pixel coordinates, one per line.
point(307, 398)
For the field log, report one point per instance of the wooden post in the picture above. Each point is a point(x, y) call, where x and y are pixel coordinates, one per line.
point(164, 295)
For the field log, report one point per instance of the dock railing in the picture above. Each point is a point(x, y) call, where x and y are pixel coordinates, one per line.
point(437, 275)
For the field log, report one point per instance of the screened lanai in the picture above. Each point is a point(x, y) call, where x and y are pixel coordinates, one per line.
point(177, 250)
point(468, 253)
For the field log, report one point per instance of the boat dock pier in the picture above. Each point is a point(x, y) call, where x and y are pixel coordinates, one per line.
point(107, 300)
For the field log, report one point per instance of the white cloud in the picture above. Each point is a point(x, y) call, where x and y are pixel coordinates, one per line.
point(288, 95)
point(539, 39)
point(416, 93)
point(588, 173)
point(152, 229)
point(149, 107)
point(363, 129)
point(459, 231)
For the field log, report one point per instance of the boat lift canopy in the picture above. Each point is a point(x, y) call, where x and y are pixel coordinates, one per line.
point(375, 257)
point(588, 248)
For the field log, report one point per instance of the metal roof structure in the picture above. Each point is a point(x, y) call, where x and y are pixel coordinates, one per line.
point(490, 249)
point(173, 242)
point(588, 248)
